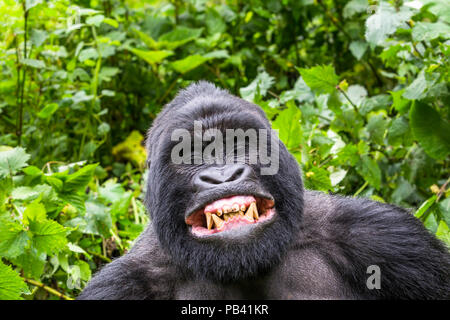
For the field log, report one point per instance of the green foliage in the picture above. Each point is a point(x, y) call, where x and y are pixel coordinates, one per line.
point(357, 90)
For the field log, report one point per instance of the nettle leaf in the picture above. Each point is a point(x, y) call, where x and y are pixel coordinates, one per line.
point(368, 168)
point(430, 129)
point(358, 48)
point(35, 211)
point(98, 219)
point(24, 194)
point(31, 262)
point(12, 285)
point(188, 63)
point(385, 22)
point(95, 20)
point(416, 88)
point(38, 37)
point(288, 124)
point(79, 180)
point(318, 179)
point(13, 239)
point(259, 86)
point(178, 37)
point(48, 236)
point(11, 161)
point(321, 79)
point(152, 56)
point(355, 6)
point(214, 22)
point(430, 30)
point(376, 126)
point(34, 63)
point(48, 110)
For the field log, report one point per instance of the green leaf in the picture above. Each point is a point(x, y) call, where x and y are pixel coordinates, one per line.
point(98, 219)
point(95, 20)
point(426, 31)
point(189, 63)
point(79, 180)
point(416, 88)
point(259, 86)
point(34, 63)
point(48, 110)
point(430, 129)
point(38, 37)
point(35, 211)
point(11, 161)
point(358, 48)
point(385, 22)
point(214, 22)
point(368, 168)
point(355, 6)
point(398, 103)
point(48, 236)
point(178, 37)
point(31, 263)
point(152, 57)
point(13, 239)
point(321, 79)
point(24, 194)
point(425, 206)
point(288, 124)
point(12, 285)
point(318, 179)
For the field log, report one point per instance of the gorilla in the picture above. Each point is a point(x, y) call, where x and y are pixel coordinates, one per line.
point(224, 230)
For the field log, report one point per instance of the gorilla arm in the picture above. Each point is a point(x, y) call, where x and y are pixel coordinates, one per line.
point(355, 233)
point(145, 272)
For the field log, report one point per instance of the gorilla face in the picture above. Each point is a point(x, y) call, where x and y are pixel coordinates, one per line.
point(220, 220)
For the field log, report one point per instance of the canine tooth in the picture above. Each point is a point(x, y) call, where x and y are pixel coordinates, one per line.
point(217, 221)
point(209, 221)
point(249, 214)
point(255, 210)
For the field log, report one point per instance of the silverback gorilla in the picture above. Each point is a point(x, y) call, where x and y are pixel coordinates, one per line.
point(223, 230)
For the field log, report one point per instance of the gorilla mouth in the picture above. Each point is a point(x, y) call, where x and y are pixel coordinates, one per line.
point(230, 213)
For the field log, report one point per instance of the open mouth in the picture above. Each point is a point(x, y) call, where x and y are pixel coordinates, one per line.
point(230, 213)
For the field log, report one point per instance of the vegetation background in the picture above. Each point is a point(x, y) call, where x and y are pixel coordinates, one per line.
point(358, 90)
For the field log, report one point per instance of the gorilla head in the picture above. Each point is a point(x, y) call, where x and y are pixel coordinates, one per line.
point(221, 219)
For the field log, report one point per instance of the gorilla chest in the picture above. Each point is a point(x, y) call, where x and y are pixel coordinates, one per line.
point(303, 274)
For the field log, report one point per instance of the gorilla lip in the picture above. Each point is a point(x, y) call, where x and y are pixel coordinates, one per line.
point(229, 213)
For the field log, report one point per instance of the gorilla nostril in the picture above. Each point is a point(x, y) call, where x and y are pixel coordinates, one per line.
point(214, 176)
point(209, 180)
point(236, 175)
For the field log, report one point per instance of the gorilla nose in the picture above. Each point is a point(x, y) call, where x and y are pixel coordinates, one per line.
point(215, 176)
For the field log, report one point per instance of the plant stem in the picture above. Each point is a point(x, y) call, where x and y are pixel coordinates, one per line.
point(47, 288)
point(361, 189)
point(348, 99)
point(22, 86)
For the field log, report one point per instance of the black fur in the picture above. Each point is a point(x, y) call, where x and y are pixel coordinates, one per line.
point(319, 245)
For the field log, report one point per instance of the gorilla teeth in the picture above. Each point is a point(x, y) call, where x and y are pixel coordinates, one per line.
point(230, 213)
point(217, 221)
point(209, 221)
point(255, 210)
point(243, 207)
